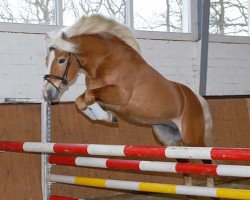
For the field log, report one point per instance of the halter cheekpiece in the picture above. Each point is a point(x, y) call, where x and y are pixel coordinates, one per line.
point(63, 78)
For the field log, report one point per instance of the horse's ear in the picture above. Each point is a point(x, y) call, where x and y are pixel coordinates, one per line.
point(52, 48)
point(49, 36)
point(64, 36)
point(49, 40)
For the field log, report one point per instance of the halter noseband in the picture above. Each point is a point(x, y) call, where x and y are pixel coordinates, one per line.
point(63, 78)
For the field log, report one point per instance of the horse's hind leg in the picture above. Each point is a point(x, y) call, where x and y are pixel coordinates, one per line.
point(168, 134)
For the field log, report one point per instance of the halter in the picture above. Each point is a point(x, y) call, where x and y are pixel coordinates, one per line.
point(63, 78)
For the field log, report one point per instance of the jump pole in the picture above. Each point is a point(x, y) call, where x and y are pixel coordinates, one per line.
point(55, 197)
point(151, 187)
point(206, 153)
point(152, 166)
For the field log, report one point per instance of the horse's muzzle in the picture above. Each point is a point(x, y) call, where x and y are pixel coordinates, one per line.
point(50, 92)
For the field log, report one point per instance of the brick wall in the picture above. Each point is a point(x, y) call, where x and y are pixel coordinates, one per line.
point(176, 60)
point(22, 66)
point(228, 69)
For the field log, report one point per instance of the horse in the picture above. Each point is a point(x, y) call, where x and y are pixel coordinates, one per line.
point(119, 82)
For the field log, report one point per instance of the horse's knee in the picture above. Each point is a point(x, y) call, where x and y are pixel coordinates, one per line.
point(89, 97)
point(82, 107)
point(93, 110)
point(80, 103)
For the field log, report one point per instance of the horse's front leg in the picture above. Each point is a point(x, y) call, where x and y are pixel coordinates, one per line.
point(83, 108)
point(112, 95)
point(86, 104)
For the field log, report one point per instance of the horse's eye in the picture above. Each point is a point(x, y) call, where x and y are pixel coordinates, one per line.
point(61, 60)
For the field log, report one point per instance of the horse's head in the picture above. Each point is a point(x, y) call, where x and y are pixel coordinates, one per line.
point(62, 68)
point(65, 44)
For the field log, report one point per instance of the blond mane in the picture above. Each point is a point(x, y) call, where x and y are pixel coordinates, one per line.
point(91, 25)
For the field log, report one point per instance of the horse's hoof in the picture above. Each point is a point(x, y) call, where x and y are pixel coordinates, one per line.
point(114, 119)
point(111, 117)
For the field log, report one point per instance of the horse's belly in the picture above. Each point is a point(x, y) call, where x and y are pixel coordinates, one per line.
point(131, 115)
point(152, 110)
point(152, 102)
point(141, 114)
point(147, 119)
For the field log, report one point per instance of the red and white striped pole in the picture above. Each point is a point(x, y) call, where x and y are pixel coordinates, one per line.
point(55, 197)
point(207, 153)
point(152, 166)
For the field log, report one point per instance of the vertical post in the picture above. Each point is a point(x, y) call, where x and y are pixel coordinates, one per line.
point(186, 28)
point(45, 137)
point(248, 9)
point(204, 10)
point(59, 12)
point(129, 14)
point(190, 17)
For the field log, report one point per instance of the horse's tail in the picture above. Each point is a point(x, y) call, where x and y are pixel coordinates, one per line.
point(209, 138)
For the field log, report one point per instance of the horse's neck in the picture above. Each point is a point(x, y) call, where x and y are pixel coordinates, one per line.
point(100, 52)
point(90, 52)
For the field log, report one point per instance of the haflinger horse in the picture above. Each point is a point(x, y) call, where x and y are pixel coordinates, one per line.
point(120, 82)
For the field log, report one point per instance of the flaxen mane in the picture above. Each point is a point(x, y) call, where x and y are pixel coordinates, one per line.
point(91, 25)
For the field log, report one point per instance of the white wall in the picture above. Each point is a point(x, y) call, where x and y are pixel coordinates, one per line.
point(176, 60)
point(228, 69)
point(22, 66)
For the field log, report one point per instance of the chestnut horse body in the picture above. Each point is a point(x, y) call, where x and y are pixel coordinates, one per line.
point(120, 82)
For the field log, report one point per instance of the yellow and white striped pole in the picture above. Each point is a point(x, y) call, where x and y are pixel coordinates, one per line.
point(152, 187)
